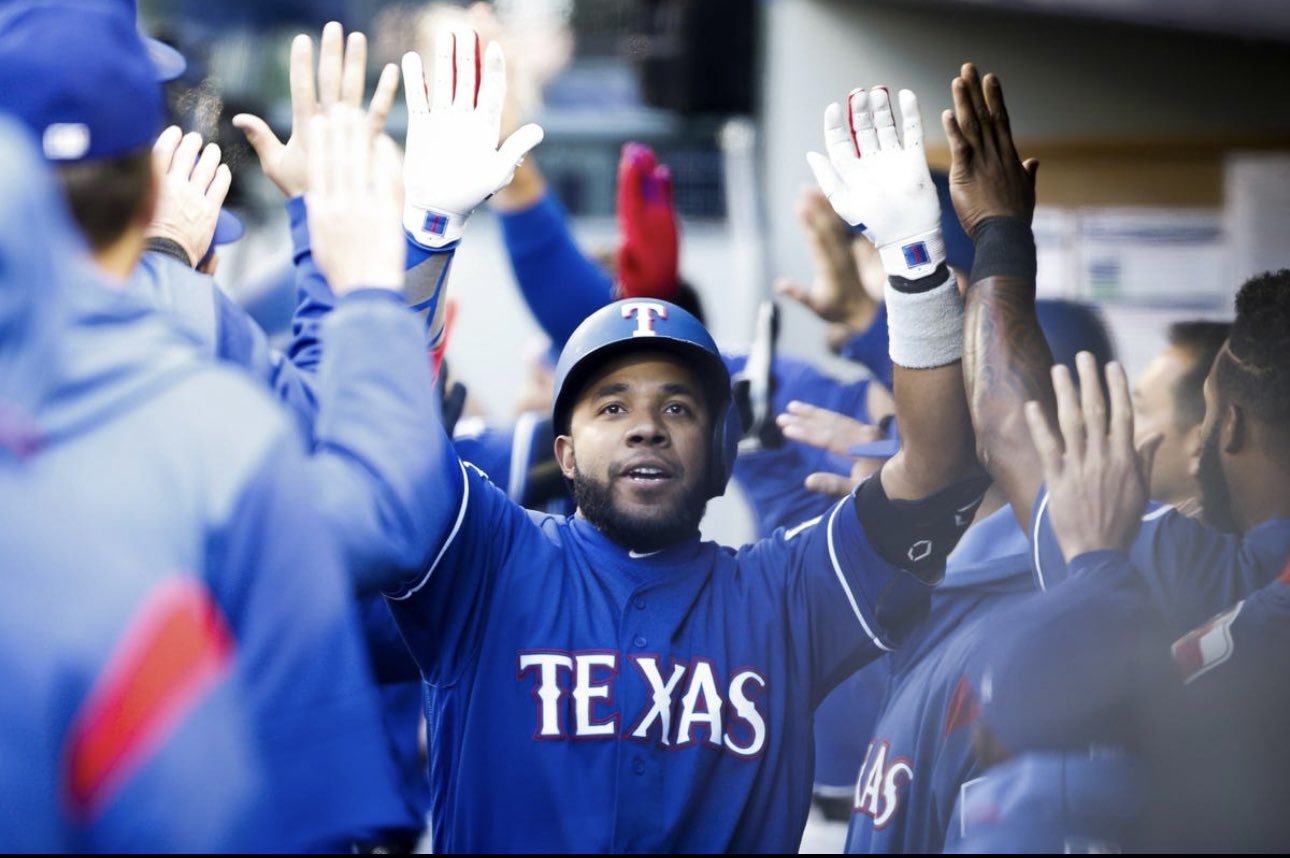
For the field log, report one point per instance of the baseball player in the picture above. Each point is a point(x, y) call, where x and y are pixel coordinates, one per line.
point(920, 750)
point(1089, 663)
point(205, 687)
point(648, 691)
point(560, 286)
point(1194, 568)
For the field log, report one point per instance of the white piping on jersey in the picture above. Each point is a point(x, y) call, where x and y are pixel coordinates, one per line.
point(521, 449)
point(1039, 521)
point(842, 579)
point(795, 530)
point(461, 515)
point(1034, 538)
point(1157, 513)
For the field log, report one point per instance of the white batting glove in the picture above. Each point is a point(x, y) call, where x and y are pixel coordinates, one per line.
point(453, 162)
point(880, 186)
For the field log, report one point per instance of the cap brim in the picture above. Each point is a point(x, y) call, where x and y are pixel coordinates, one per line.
point(166, 61)
point(228, 228)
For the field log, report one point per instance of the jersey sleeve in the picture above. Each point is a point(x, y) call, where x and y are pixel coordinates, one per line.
point(381, 464)
point(202, 311)
point(1191, 571)
point(443, 610)
point(560, 285)
point(846, 604)
point(279, 579)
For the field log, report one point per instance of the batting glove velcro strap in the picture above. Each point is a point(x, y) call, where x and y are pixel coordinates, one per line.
point(925, 320)
point(434, 230)
point(915, 257)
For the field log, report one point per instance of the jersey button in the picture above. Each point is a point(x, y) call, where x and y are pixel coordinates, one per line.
point(640, 603)
point(640, 642)
point(638, 766)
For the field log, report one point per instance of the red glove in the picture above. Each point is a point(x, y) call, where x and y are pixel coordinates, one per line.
point(647, 249)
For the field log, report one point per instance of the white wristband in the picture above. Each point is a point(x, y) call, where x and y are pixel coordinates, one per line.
point(914, 257)
point(925, 329)
point(434, 230)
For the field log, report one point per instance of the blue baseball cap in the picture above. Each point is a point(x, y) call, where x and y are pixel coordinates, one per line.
point(228, 229)
point(168, 63)
point(78, 75)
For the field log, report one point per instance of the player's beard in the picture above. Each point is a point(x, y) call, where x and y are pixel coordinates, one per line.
point(1215, 497)
point(595, 499)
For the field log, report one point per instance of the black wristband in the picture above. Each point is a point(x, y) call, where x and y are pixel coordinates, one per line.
point(935, 280)
point(170, 248)
point(1005, 247)
point(917, 535)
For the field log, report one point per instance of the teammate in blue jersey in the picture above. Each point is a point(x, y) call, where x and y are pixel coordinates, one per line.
point(641, 689)
point(205, 687)
point(1088, 663)
point(920, 752)
point(1193, 568)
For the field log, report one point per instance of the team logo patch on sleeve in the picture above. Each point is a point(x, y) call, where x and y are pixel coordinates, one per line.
point(1203, 649)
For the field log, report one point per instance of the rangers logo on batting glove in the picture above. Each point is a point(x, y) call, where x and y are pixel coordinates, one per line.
point(879, 185)
point(453, 162)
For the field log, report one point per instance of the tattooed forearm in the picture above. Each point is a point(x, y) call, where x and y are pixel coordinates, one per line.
point(1006, 363)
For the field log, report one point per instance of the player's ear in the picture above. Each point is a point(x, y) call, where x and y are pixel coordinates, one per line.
point(1234, 429)
point(564, 456)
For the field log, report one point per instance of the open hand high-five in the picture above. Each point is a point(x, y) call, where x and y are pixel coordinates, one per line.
point(191, 190)
point(453, 161)
point(881, 184)
point(341, 79)
point(355, 202)
point(1097, 482)
point(987, 178)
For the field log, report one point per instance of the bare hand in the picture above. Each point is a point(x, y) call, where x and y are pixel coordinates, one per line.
point(355, 202)
point(1097, 483)
point(190, 191)
point(987, 178)
point(828, 430)
point(342, 72)
point(837, 433)
point(837, 293)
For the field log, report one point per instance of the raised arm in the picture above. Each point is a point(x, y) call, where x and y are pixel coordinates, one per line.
point(1006, 359)
point(881, 185)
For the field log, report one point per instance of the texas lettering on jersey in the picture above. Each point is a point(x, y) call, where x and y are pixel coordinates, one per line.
point(687, 703)
point(878, 789)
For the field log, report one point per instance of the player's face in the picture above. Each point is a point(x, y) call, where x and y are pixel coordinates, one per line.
point(1215, 494)
point(1155, 410)
point(637, 450)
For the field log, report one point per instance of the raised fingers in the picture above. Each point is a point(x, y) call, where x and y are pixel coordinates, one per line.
point(387, 85)
point(883, 120)
point(303, 98)
point(1070, 417)
point(330, 57)
point(863, 133)
point(1092, 402)
point(466, 89)
point(354, 72)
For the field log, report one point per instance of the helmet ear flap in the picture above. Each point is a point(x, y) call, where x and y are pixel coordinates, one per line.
point(727, 428)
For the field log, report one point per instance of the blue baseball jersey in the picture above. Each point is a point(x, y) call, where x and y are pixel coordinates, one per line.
point(1089, 664)
point(1072, 802)
point(921, 751)
point(1225, 770)
point(1191, 571)
point(583, 697)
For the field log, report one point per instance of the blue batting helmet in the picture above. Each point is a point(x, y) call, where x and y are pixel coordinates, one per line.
point(647, 325)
